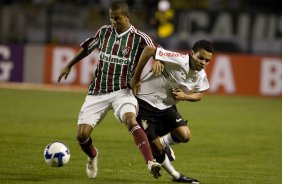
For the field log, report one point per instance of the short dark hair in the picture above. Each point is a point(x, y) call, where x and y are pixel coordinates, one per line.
point(120, 5)
point(203, 44)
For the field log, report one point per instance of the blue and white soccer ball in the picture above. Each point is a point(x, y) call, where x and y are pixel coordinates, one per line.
point(56, 154)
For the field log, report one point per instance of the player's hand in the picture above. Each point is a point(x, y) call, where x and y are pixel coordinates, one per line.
point(178, 94)
point(135, 85)
point(64, 73)
point(157, 68)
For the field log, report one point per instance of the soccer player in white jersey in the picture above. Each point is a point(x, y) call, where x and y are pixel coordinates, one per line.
point(120, 46)
point(182, 79)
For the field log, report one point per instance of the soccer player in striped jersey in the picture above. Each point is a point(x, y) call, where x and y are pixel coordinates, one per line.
point(183, 79)
point(120, 46)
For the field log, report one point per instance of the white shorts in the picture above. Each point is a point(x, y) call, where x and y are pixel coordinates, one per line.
point(95, 107)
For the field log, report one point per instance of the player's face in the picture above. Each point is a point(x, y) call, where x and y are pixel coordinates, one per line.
point(200, 59)
point(119, 20)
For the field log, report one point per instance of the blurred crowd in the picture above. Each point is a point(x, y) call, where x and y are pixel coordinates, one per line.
point(71, 21)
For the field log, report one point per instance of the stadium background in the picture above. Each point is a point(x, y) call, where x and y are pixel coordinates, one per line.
point(38, 37)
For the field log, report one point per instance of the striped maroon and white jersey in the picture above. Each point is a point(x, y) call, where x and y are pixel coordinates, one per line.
point(118, 57)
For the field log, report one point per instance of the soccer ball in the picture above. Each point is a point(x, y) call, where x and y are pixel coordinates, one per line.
point(56, 154)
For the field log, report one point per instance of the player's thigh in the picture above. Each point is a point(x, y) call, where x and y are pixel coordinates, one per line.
point(171, 120)
point(124, 102)
point(94, 109)
point(149, 119)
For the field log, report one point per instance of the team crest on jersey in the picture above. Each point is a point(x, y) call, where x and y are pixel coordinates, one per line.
point(144, 124)
point(125, 51)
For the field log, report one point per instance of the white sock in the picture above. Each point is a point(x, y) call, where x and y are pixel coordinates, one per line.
point(169, 168)
point(167, 140)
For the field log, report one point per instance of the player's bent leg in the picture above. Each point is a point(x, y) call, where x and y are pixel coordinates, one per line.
point(85, 142)
point(180, 134)
point(141, 140)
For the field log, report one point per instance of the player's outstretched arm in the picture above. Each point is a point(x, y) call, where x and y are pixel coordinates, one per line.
point(82, 53)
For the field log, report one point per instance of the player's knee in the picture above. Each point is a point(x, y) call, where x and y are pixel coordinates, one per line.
point(81, 137)
point(182, 137)
point(129, 120)
point(185, 138)
point(128, 115)
point(83, 132)
point(182, 134)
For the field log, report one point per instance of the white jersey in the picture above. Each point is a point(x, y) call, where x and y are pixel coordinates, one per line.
point(157, 90)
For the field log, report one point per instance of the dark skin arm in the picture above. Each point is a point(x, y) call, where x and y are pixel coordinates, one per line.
point(157, 68)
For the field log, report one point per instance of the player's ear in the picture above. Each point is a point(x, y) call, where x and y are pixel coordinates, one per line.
point(191, 52)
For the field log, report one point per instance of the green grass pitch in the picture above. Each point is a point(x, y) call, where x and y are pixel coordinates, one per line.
point(235, 140)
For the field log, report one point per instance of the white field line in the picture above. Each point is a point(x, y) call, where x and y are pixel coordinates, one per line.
point(43, 87)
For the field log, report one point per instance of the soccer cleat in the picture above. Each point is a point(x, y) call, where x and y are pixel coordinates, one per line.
point(154, 168)
point(185, 179)
point(91, 166)
point(170, 153)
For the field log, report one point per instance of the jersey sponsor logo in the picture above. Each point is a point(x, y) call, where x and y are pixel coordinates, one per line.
point(170, 54)
point(113, 59)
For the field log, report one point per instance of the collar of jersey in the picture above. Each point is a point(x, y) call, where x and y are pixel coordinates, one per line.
point(125, 32)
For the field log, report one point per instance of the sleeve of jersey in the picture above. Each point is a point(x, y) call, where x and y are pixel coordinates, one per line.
point(146, 40)
point(90, 43)
point(171, 57)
